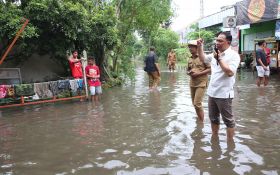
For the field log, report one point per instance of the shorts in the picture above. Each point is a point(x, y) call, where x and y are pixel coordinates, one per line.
point(262, 72)
point(95, 90)
point(221, 106)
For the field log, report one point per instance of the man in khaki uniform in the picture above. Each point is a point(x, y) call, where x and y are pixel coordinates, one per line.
point(171, 60)
point(199, 79)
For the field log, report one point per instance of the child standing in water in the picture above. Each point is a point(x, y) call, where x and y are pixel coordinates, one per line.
point(93, 75)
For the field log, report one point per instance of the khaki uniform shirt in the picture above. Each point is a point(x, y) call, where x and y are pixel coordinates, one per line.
point(196, 65)
point(172, 57)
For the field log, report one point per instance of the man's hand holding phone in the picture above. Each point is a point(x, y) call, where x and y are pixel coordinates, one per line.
point(216, 54)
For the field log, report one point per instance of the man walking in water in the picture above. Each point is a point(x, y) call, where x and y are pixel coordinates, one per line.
point(171, 60)
point(224, 63)
point(93, 75)
point(262, 64)
point(152, 69)
point(198, 72)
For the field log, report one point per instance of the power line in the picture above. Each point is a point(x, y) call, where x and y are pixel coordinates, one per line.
point(201, 9)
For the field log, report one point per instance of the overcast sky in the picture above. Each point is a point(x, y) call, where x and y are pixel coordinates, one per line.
point(188, 11)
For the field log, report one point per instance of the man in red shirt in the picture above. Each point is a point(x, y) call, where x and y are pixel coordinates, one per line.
point(75, 65)
point(93, 75)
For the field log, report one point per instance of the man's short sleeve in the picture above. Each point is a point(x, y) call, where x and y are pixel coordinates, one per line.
point(258, 54)
point(207, 65)
point(87, 70)
point(208, 58)
point(156, 58)
point(234, 63)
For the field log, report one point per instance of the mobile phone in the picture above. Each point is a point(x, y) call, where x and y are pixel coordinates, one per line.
point(216, 49)
point(217, 52)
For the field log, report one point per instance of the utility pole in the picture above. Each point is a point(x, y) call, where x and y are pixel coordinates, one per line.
point(201, 9)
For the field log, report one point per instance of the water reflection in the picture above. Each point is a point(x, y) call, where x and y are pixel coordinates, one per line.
point(154, 103)
point(91, 127)
point(133, 131)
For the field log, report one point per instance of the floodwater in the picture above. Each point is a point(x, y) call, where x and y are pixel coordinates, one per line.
point(136, 132)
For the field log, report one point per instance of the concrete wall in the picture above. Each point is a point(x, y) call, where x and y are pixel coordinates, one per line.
point(37, 68)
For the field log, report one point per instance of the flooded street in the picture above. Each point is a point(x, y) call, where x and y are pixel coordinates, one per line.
point(136, 132)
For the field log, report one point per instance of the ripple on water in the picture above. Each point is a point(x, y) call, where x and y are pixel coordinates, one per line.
point(112, 164)
point(7, 165)
point(143, 154)
point(89, 165)
point(273, 172)
point(110, 151)
point(176, 145)
point(125, 152)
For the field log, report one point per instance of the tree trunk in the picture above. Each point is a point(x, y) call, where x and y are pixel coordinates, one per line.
point(99, 59)
point(115, 60)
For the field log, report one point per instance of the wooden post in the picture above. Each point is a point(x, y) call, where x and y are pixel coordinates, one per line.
point(14, 41)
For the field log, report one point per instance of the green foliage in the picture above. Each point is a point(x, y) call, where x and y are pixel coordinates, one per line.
point(248, 60)
point(11, 20)
point(57, 26)
point(144, 17)
point(182, 54)
point(127, 66)
point(139, 47)
point(164, 40)
point(207, 35)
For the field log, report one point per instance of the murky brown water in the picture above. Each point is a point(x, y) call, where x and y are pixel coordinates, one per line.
point(135, 132)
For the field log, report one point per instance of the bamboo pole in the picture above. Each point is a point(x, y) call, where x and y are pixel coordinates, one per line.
point(84, 63)
point(14, 41)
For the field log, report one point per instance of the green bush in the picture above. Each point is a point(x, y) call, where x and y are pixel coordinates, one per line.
point(183, 55)
point(248, 60)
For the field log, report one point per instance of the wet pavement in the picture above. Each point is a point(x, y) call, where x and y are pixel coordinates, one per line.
point(136, 132)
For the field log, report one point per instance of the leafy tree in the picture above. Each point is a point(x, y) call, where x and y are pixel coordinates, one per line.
point(11, 20)
point(182, 54)
point(164, 40)
point(57, 27)
point(144, 16)
point(206, 35)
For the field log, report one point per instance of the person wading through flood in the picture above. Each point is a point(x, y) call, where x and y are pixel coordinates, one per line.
point(224, 63)
point(262, 64)
point(171, 60)
point(198, 72)
point(93, 75)
point(152, 69)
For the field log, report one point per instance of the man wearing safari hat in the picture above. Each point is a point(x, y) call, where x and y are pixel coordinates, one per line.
point(198, 72)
